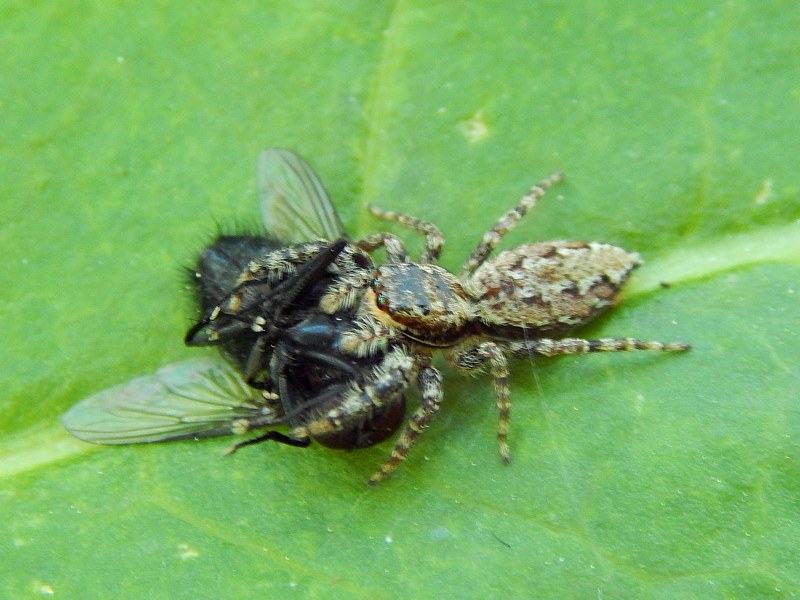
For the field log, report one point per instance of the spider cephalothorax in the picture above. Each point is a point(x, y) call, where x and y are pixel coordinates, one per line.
point(425, 302)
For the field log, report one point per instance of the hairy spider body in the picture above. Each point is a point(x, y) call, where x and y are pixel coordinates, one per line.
point(547, 287)
point(425, 302)
point(496, 309)
point(327, 344)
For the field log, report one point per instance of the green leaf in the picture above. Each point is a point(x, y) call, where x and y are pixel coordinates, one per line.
point(130, 130)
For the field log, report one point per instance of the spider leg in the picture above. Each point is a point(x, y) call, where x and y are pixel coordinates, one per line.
point(280, 297)
point(506, 223)
point(551, 347)
point(434, 240)
point(476, 358)
point(277, 264)
point(345, 291)
point(429, 381)
point(367, 337)
point(395, 249)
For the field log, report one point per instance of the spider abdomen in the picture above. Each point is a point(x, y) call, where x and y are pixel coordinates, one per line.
point(549, 286)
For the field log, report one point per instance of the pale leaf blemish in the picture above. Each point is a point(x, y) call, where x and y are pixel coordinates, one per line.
point(764, 194)
point(186, 552)
point(44, 589)
point(475, 128)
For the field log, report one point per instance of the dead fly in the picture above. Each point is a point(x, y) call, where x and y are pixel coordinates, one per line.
point(260, 296)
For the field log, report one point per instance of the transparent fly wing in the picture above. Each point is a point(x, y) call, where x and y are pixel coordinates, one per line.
point(294, 204)
point(191, 399)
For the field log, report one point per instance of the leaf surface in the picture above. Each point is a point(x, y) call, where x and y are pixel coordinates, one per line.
point(130, 132)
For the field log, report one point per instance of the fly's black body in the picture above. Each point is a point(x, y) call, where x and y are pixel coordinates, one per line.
point(259, 297)
point(217, 273)
point(294, 356)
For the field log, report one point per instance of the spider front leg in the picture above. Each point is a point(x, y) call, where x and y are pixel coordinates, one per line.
point(475, 358)
point(395, 249)
point(429, 381)
point(434, 240)
point(259, 288)
point(345, 291)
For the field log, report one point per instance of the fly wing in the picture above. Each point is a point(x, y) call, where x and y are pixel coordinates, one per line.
point(185, 400)
point(294, 204)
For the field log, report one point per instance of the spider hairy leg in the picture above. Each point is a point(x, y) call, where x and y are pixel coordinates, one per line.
point(395, 249)
point(507, 222)
point(434, 240)
point(345, 292)
point(550, 347)
point(491, 353)
point(429, 381)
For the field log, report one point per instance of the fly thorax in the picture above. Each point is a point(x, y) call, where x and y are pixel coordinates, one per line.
point(424, 301)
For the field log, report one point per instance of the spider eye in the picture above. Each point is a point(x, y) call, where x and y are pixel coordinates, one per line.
point(382, 301)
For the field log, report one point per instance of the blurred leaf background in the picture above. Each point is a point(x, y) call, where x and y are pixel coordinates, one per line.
point(129, 134)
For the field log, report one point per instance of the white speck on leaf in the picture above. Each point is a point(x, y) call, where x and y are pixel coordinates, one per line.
point(186, 552)
point(475, 128)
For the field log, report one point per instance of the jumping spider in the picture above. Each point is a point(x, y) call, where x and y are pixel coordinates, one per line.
point(331, 343)
point(508, 306)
